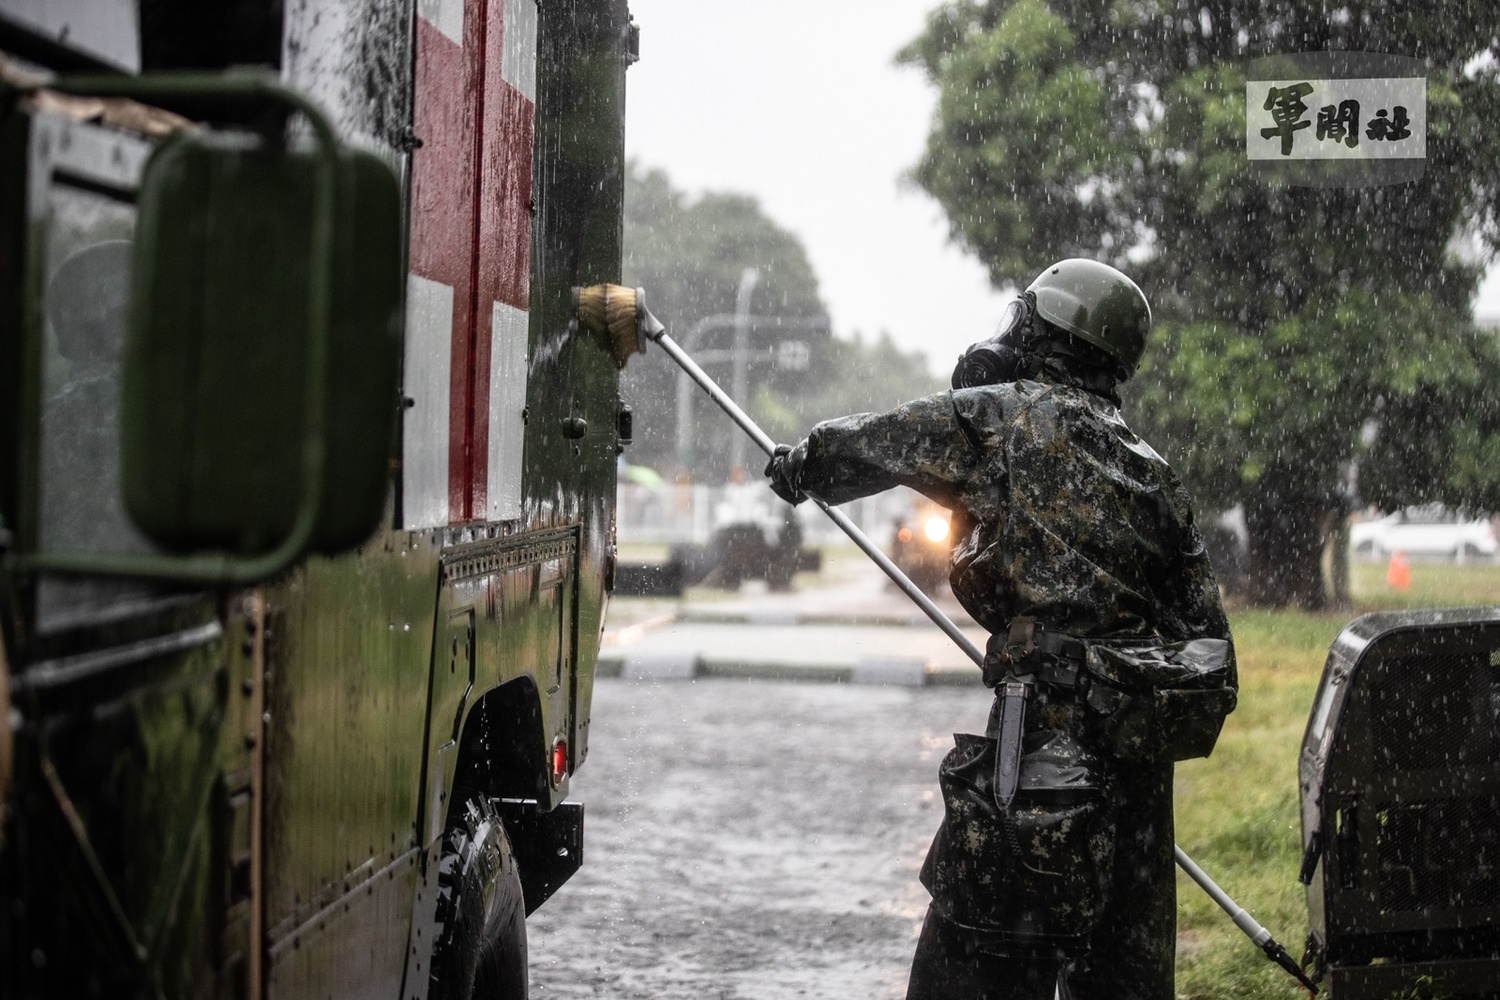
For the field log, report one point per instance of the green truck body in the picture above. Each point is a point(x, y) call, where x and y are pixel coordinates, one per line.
point(289, 788)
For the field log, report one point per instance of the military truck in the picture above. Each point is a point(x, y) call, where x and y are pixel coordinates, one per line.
point(307, 486)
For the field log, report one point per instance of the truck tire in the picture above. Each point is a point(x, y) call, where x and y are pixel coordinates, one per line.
point(479, 949)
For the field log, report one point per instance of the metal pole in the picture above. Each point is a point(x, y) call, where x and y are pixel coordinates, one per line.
point(1258, 935)
point(764, 442)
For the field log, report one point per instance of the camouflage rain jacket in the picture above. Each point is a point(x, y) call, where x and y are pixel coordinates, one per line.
point(1059, 510)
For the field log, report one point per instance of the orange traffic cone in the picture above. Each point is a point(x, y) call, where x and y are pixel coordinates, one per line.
point(1398, 572)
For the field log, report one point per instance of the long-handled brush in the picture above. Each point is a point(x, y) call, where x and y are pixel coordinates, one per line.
point(619, 314)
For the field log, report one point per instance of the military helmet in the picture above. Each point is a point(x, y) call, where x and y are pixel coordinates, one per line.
point(1097, 304)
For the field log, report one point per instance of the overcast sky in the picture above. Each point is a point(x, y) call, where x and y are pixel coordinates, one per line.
point(799, 103)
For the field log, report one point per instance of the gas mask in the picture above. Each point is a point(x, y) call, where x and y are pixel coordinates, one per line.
point(998, 359)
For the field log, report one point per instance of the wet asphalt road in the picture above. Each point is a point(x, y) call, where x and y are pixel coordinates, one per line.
point(750, 839)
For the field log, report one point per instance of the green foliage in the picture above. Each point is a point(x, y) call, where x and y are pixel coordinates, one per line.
point(1021, 121)
point(1299, 328)
point(1237, 812)
point(1297, 395)
point(689, 255)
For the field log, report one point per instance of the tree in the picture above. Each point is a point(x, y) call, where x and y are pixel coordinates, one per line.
point(689, 255)
point(1300, 330)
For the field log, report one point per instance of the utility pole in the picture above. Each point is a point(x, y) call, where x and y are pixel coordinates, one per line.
point(741, 322)
point(740, 383)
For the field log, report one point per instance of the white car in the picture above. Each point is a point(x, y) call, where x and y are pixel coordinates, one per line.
point(1425, 531)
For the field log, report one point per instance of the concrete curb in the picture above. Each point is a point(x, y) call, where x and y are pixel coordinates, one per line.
point(710, 617)
point(689, 666)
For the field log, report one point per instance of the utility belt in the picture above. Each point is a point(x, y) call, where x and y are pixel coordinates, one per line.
point(1141, 699)
point(1031, 649)
point(1024, 856)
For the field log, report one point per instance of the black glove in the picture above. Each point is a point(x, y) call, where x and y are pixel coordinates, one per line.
point(783, 474)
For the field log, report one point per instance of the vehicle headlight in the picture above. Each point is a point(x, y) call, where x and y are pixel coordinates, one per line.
point(936, 529)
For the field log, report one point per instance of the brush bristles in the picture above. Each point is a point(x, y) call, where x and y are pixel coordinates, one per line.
point(610, 311)
point(588, 303)
point(620, 311)
point(607, 309)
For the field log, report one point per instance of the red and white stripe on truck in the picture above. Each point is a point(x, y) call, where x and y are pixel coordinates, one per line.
point(469, 286)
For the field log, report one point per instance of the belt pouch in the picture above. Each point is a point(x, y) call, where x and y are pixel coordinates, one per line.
point(1159, 703)
point(1033, 876)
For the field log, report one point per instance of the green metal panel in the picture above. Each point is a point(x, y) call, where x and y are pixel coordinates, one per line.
point(523, 588)
point(118, 764)
point(349, 651)
point(580, 196)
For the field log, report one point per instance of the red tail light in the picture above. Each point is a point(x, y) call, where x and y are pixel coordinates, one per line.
point(559, 760)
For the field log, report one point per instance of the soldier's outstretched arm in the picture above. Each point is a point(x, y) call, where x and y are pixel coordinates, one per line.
point(919, 444)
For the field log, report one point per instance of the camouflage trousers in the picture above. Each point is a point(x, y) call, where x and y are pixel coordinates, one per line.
point(1133, 949)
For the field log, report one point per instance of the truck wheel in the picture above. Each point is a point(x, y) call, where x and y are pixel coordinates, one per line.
point(479, 949)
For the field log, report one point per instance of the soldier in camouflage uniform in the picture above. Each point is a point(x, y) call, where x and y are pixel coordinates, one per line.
point(1061, 514)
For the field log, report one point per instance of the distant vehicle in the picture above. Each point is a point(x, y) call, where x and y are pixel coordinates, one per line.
point(1426, 531)
point(920, 546)
point(751, 537)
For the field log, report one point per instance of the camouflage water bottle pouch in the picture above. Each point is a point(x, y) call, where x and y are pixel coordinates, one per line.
point(1031, 879)
point(1158, 703)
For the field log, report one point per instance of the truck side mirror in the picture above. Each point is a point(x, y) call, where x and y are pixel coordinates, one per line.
point(259, 384)
point(222, 399)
